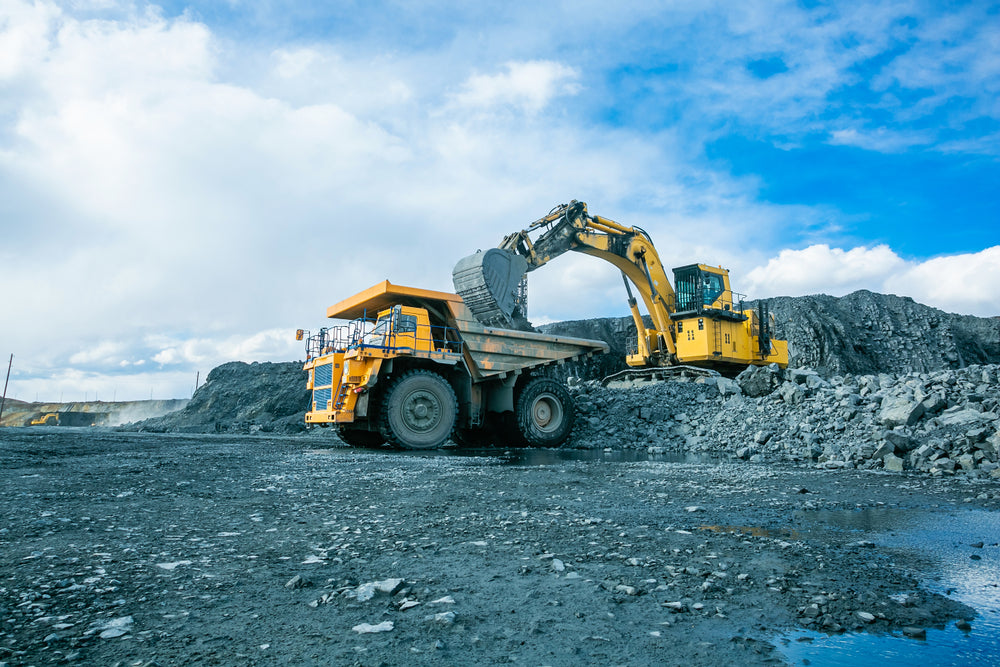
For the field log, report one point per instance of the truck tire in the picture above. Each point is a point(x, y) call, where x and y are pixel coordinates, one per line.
point(544, 413)
point(361, 438)
point(419, 411)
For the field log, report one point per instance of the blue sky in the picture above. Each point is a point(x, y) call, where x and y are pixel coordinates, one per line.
point(183, 184)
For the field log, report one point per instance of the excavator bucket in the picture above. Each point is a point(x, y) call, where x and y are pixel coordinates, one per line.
point(488, 282)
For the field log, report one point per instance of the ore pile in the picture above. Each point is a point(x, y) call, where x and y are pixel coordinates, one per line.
point(863, 332)
point(241, 398)
point(942, 423)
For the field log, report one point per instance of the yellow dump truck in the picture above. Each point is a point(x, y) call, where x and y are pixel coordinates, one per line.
point(415, 368)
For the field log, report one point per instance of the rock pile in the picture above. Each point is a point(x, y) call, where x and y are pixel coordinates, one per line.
point(942, 423)
point(241, 398)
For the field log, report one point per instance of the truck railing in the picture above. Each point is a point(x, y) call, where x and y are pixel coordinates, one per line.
point(397, 334)
point(327, 341)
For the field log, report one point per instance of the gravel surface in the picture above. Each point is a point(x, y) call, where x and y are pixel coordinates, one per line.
point(140, 548)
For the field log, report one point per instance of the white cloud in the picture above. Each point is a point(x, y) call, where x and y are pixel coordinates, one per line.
point(962, 283)
point(528, 86)
point(883, 140)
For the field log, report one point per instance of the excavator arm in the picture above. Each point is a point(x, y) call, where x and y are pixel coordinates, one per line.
point(490, 281)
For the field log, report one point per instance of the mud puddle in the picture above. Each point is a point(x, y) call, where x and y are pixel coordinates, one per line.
point(962, 552)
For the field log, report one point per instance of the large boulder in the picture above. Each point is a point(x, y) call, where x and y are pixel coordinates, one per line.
point(900, 411)
point(760, 380)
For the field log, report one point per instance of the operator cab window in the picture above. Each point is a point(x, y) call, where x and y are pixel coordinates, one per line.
point(406, 324)
point(711, 287)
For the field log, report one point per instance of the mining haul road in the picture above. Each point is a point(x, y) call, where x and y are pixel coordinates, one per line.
point(142, 549)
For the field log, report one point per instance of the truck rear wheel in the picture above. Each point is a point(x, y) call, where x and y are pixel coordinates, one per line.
point(419, 411)
point(544, 413)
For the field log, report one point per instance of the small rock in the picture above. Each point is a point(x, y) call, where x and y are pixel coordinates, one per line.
point(296, 582)
point(444, 618)
point(893, 463)
point(368, 628)
point(866, 617)
point(915, 633)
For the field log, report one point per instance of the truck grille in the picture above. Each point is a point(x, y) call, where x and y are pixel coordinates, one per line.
point(322, 392)
point(321, 397)
point(323, 376)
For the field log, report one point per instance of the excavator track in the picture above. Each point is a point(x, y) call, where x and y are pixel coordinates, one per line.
point(632, 376)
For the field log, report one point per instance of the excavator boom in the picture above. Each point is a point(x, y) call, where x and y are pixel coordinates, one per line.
point(492, 284)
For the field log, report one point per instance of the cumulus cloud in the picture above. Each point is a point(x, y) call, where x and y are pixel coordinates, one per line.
point(528, 86)
point(961, 283)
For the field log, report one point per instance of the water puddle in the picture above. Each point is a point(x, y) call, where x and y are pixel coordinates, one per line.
point(756, 531)
point(961, 568)
point(544, 457)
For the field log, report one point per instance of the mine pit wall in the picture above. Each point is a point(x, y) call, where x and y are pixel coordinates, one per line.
point(89, 413)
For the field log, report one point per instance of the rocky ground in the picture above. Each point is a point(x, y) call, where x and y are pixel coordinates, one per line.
point(143, 549)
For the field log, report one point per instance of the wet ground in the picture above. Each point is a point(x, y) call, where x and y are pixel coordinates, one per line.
point(282, 550)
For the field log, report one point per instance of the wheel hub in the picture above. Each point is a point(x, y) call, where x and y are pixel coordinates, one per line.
point(546, 412)
point(421, 411)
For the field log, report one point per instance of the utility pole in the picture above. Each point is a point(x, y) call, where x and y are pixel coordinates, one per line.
point(3, 397)
point(197, 377)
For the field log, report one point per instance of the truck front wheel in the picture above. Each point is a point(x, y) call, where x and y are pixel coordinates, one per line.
point(544, 413)
point(419, 411)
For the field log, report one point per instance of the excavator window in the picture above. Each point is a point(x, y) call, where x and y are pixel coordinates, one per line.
point(711, 287)
point(696, 288)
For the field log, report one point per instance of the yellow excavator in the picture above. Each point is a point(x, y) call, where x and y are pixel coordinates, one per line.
point(697, 324)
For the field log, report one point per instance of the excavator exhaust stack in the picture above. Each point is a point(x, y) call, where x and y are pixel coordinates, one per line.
point(490, 284)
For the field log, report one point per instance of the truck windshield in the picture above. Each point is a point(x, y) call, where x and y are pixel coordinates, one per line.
point(378, 334)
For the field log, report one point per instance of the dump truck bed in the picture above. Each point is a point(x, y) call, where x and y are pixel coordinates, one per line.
point(489, 352)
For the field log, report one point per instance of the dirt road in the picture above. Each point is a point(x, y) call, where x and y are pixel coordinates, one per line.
point(167, 549)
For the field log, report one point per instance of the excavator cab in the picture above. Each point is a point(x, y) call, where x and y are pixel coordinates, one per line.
point(701, 287)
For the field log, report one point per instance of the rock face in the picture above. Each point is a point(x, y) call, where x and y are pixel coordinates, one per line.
point(241, 398)
point(860, 333)
point(865, 332)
